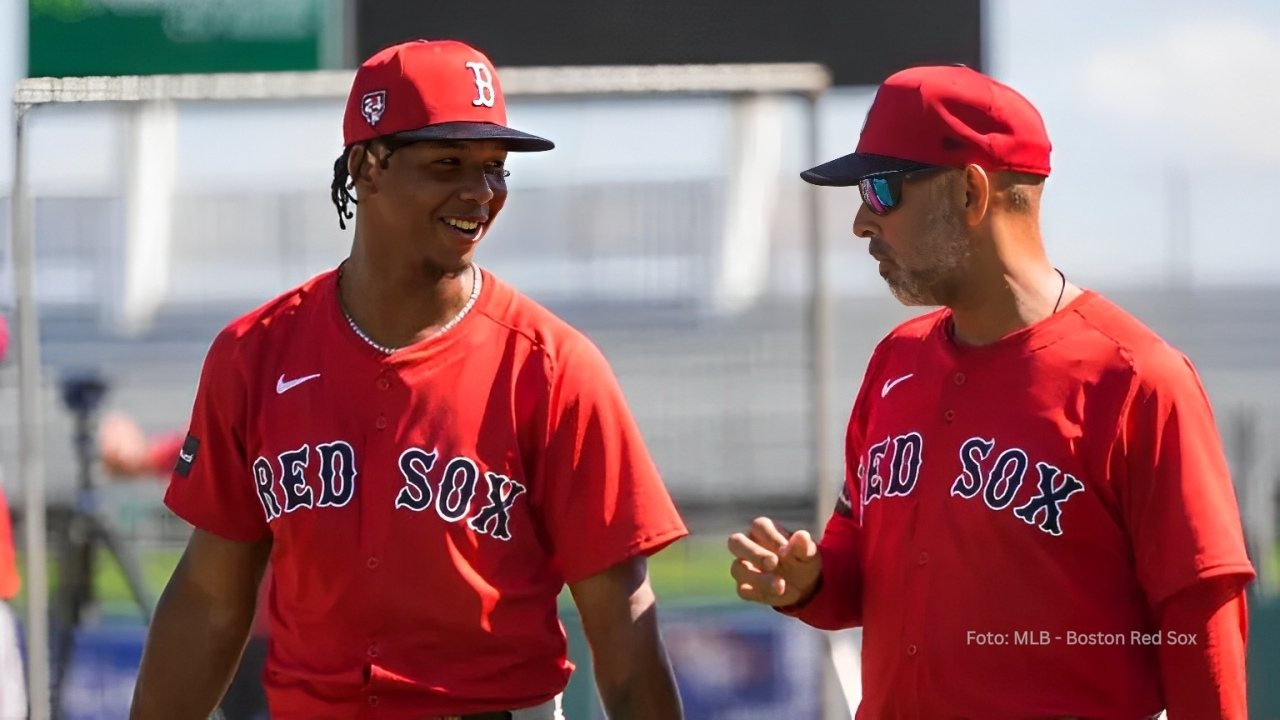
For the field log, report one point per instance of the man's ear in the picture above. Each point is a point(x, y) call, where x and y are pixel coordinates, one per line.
point(977, 194)
point(362, 163)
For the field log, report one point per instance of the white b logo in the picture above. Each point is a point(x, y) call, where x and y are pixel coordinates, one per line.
point(484, 85)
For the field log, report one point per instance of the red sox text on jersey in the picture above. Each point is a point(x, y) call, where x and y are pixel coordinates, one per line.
point(450, 488)
point(891, 468)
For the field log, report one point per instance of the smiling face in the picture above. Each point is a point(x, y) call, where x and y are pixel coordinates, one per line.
point(431, 202)
point(923, 243)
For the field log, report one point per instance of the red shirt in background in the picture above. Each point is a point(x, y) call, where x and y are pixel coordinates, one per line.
point(10, 582)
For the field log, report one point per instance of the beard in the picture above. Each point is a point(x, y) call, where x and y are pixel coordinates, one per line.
point(944, 249)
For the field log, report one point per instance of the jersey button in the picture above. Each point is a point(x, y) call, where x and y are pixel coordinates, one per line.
point(380, 423)
point(373, 701)
point(959, 378)
point(912, 650)
point(949, 415)
point(923, 558)
point(371, 563)
point(383, 383)
point(373, 650)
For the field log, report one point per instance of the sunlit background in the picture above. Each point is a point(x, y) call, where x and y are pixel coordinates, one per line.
point(675, 232)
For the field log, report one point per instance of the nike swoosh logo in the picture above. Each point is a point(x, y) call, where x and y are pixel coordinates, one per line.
point(888, 385)
point(283, 387)
point(185, 457)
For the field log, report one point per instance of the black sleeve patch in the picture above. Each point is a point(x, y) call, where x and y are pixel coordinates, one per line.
point(187, 455)
point(843, 506)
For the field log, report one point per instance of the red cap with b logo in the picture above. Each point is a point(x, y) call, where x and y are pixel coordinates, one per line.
point(431, 90)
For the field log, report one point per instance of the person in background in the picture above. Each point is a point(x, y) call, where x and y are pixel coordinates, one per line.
point(128, 453)
point(13, 689)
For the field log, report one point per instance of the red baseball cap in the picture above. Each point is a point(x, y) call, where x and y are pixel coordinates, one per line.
point(431, 90)
point(942, 116)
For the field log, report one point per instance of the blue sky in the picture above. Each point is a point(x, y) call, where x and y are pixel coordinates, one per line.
point(1149, 103)
point(1173, 77)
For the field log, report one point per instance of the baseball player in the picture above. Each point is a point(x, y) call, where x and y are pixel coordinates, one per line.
point(426, 455)
point(1037, 519)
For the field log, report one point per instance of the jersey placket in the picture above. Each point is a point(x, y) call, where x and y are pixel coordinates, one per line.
point(936, 423)
point(964, 398)
point(377, 503)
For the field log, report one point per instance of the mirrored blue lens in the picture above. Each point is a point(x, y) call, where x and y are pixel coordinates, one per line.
point(877, 195)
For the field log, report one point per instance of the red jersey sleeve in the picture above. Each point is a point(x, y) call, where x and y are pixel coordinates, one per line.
point(1176, 496)
point(601, 499)
point(212, 486)
point(1202, 653)
point(838, 602)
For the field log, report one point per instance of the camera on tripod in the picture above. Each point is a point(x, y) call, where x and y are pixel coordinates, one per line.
point(82, 393)
point(87, 533)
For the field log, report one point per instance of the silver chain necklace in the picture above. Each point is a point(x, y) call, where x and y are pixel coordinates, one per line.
point(385, 350)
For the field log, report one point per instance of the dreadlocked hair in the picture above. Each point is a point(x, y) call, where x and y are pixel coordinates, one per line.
point(343, 183)
point(340, 191)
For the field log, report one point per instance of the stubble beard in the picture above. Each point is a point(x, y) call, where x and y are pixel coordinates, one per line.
point(945, 249)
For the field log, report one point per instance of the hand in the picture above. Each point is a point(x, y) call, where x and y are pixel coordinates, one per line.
point(123, 446)
point(774, 567)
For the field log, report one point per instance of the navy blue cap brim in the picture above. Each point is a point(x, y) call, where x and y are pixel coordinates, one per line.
point(852, 168)
point(515, 140)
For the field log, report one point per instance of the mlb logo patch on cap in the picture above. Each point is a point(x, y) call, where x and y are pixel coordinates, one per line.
point(372, 105)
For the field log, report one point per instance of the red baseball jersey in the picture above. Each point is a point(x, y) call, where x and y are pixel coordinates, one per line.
point(1015, 511)
point(426, 507)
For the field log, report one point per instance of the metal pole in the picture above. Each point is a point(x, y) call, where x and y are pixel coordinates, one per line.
point(350, 35)
point(826, 479)
point(30, 433)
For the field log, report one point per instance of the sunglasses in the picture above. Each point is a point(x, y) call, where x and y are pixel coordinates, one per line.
point(882, 193)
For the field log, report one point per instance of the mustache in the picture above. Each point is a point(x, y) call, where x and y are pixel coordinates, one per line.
point(877, 248)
